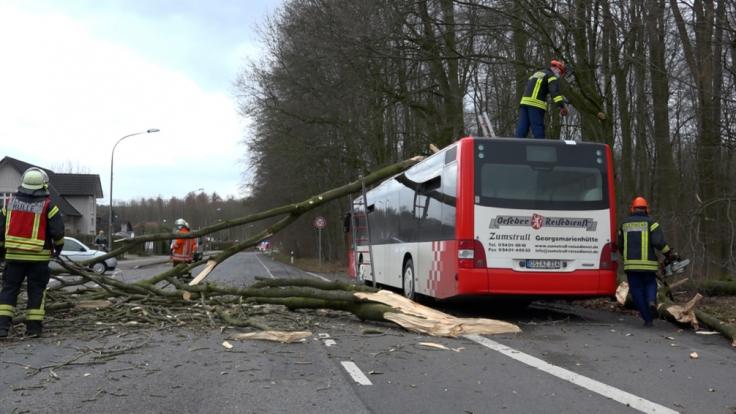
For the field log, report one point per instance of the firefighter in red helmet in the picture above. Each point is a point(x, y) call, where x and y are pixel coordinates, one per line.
point(533, 103)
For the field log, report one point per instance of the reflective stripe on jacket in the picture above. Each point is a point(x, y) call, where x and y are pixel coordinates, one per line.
point(638, 236)
point(29, 225)
point(182, 250)
point(541, 83)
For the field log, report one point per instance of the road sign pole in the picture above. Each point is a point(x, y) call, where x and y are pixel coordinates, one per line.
point(319, 223)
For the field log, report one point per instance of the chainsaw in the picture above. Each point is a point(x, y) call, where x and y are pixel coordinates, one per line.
point(675, 266)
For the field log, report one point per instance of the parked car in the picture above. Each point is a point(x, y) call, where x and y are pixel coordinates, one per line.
point(77, 251)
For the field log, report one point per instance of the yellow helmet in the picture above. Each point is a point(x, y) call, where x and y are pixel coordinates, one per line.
point(34, 178)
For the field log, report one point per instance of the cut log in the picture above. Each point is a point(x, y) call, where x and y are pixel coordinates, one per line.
point(729, 331)
point(622, 292)
point(685, 314)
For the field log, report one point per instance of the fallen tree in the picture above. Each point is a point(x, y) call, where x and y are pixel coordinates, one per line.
point(686, 314)
point(165, 300)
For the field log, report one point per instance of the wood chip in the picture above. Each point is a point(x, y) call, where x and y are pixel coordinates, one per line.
point(434, 345)
point(275, 336)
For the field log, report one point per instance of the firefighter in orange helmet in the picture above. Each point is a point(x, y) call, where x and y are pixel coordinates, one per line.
point(638, 237)
point(182, 250)
point(31, 230)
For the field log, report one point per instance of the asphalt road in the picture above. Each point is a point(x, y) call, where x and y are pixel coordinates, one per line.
point(567, 359)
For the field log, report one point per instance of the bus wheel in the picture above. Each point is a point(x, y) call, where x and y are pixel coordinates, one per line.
point(408, 280)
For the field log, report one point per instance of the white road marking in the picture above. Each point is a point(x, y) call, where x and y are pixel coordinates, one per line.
point(330, 342)
point(597, 387)
point(318, 276)
point(264, 266)
point(356, 373)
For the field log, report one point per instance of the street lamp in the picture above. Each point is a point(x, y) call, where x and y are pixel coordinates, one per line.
point(112, 157)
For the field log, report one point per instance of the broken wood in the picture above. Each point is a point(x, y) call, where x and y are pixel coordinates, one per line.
point(275, 336)
point(419, 318)
point(685, 314)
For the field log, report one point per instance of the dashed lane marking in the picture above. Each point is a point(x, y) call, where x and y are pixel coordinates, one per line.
point(597, 387)
point(355, 373)
point(318, 276)
point(264, 266)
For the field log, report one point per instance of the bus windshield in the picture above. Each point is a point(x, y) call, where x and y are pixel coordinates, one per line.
point(529, 174)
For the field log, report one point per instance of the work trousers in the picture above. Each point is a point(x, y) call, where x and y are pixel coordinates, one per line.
point(643, 289)
point(530, 117)
point(38, 277)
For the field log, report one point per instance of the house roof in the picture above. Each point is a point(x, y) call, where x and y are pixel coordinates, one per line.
point(63, 185)
point(78, 184)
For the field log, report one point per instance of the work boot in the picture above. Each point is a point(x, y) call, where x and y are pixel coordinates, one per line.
point(653, 309)
point(34, 329)
point(4, 326)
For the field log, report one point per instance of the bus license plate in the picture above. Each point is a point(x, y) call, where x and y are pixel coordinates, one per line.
point(543, 264)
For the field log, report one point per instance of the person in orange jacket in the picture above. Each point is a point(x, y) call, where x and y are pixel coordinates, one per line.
point(182, 250)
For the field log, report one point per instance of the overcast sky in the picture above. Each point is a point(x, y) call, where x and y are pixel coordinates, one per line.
point(77, 75)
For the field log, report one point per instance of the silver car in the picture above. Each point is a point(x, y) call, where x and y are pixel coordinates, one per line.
point(76, 251)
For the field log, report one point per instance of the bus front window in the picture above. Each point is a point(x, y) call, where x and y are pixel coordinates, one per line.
point(573, 179)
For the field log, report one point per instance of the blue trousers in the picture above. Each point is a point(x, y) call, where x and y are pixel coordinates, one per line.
point(530, 116)
point(643, 289)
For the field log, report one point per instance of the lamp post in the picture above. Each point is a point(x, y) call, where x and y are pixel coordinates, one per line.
point(112, 158)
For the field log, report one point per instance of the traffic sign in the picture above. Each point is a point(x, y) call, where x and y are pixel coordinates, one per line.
point(320, 222)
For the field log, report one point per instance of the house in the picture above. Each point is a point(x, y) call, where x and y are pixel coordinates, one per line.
point(75, 194)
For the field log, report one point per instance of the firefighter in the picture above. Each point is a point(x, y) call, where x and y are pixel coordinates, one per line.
point(31, 230)
point(534, 101)
point(638, 237)
point(182, 250)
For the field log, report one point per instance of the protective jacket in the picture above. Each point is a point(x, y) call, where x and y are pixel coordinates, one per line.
point(31, 226)
point(182, 250)
point(638, 236)
point(541, 83)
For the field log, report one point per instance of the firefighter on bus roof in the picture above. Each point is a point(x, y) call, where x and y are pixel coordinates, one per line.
point(533, 103)
point(31, 229)
point(638, 237)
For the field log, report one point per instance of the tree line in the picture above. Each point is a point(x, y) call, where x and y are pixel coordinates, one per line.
point(199, 209)
point(346, 86)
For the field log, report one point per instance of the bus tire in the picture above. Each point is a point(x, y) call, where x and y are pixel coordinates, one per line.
point(407, 280)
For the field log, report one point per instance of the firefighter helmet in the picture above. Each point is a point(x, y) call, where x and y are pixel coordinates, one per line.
point(181, 223)
point(559, 65)
point(34, 178)
point(639, 202)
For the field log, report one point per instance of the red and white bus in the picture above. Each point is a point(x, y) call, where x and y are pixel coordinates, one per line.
point(494, 216)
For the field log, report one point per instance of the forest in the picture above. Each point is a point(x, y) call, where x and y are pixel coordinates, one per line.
point(348, 86)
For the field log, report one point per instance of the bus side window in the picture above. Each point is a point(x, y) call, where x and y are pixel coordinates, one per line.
point(423, 196)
